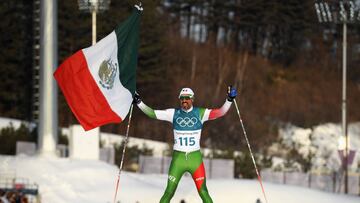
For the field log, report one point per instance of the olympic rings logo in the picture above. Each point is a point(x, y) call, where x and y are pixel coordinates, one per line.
point(189, 122)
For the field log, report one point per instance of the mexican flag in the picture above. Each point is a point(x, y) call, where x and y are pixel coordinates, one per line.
point(98, 82)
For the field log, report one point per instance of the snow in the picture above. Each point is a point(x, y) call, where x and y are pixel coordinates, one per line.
point(72, 181)
point(321, 141)
point(109, 139)
point(6, 122)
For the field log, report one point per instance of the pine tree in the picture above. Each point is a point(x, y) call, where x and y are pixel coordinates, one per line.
point(16, 59)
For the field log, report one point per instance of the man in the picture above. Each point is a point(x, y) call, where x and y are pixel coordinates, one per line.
point(187, 124)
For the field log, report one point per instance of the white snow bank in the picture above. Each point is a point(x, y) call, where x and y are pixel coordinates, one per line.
point(7, 122)
point(321, 141)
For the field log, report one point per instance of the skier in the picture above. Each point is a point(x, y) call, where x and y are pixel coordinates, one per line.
point(187, 124)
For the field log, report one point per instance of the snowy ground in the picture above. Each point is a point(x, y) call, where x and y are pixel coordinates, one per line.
point(75, 181)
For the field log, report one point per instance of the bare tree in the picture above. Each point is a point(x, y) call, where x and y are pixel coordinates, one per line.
point(223, 68)
point(241, 65)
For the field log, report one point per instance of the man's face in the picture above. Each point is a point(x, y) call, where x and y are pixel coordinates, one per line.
point(186, 102)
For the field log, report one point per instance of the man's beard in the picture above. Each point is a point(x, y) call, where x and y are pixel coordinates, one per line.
point(185, 104)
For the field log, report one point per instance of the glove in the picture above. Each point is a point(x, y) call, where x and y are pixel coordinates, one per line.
point(136, 98)
point(231, 93)
point(139, 7)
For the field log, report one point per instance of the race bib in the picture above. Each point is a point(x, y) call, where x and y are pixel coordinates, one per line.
point(187, 141)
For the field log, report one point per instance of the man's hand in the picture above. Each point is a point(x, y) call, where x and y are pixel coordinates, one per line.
point(231, 93)
point(136, 98)
point(139, 7)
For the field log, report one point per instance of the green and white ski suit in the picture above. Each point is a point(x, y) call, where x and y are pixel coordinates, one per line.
point(187, 125)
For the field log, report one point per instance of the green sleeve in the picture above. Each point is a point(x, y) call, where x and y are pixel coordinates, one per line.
point(202, 112)
point(147, 110)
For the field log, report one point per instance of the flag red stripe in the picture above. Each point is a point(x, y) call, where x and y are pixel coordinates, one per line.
point(82, 93)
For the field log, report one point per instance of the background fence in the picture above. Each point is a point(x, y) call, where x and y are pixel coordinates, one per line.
point(331, 182)
point(215, 168)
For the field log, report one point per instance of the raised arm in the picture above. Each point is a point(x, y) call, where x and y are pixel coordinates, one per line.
point(165, 115)
point(212, 114)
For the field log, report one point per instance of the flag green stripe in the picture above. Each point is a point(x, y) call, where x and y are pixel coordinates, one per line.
point(127, 34)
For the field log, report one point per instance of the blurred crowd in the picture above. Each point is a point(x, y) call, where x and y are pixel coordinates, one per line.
point(12, 197)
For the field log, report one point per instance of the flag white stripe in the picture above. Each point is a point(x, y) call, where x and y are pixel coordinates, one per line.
point(118, 97)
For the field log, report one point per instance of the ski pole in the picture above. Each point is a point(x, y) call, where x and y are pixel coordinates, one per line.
point(123, 153)
point(252, 156)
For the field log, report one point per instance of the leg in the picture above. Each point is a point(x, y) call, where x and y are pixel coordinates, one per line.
point(199, 177)
point(200, 182)
point(170, 189)
point(176, 171)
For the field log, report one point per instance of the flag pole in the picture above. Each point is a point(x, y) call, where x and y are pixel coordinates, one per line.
point(123, 153)
point(252, 156)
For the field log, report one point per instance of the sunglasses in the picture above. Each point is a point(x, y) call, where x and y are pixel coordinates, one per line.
point(185, 98)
